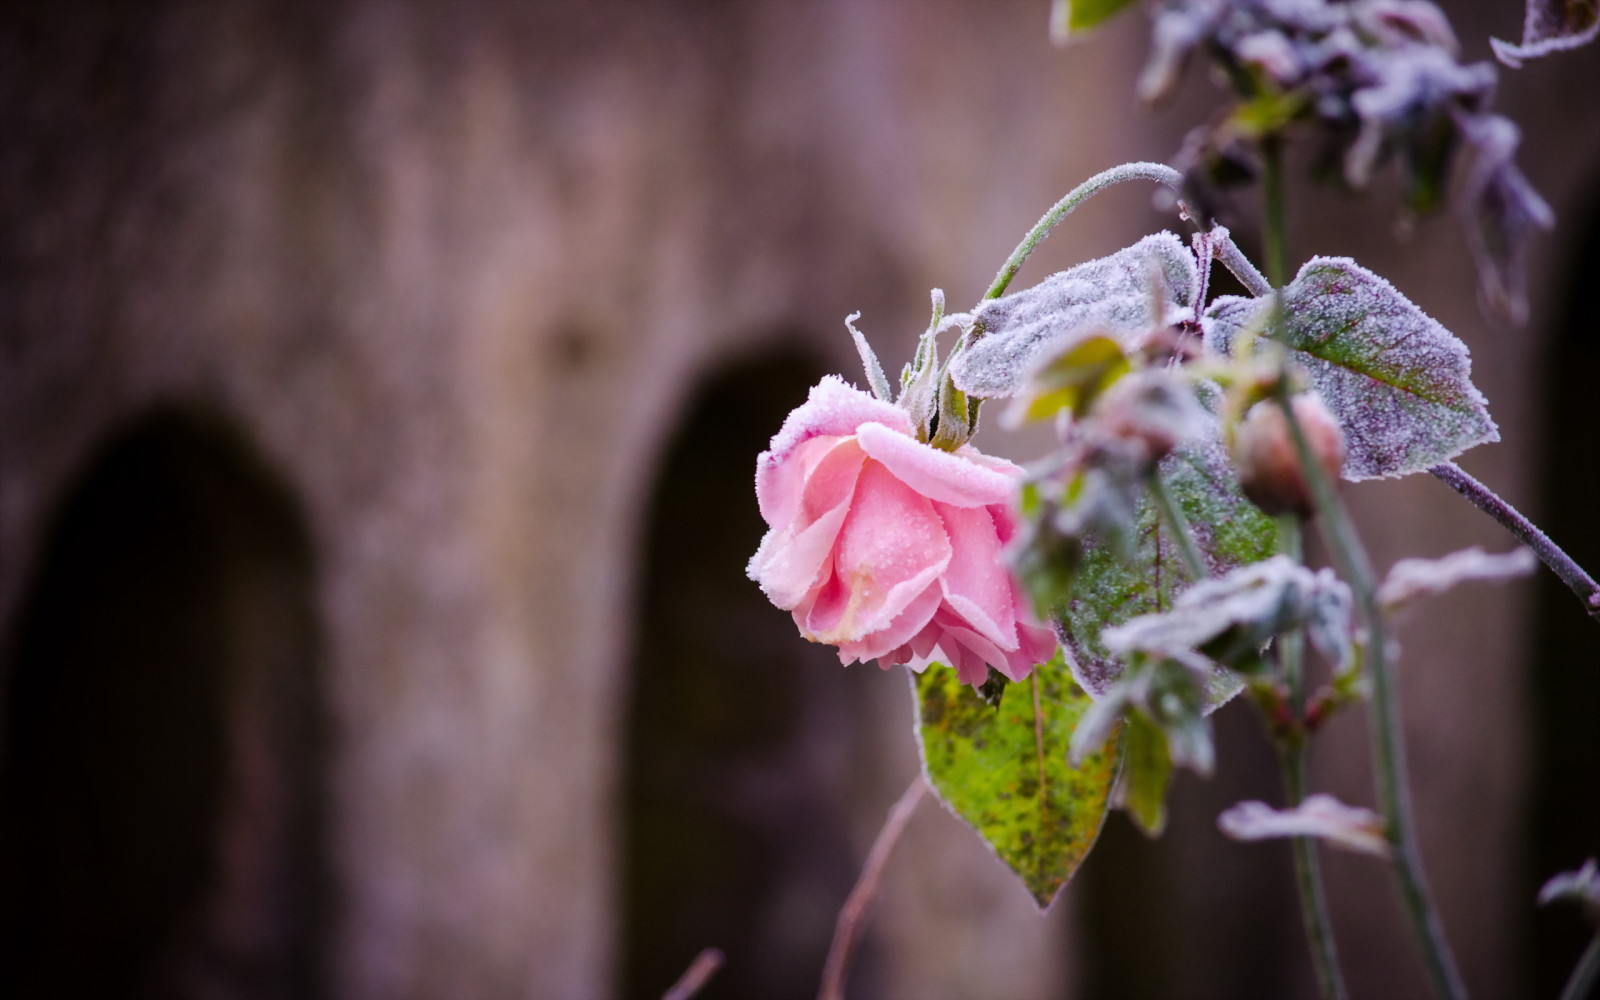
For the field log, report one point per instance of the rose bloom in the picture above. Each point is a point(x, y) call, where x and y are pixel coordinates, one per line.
point(890, 548)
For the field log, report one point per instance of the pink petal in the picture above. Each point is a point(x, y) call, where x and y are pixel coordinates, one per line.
point(977, 584)
point(792, 558)
point(892, 546)
point(938, 475)
point(832, 408)
point(886, 641)
point(780, 482)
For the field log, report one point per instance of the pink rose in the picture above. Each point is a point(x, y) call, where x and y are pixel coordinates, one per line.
point(890, 548)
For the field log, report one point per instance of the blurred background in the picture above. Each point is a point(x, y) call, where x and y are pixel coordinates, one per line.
point(380, 388)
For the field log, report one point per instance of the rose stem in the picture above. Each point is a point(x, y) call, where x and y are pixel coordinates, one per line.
point(695, 977)
point(1292, 751)
point(861, 898)
point(1526, 532)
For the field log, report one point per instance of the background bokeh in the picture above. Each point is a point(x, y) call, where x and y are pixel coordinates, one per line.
point(380, 385)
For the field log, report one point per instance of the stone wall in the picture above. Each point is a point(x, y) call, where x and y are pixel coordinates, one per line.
point(455, 273)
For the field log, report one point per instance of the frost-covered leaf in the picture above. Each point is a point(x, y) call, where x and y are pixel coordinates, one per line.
point(1410, 579)
point(1109, 589)
point(1551, 26)
point(1005, 772)
point(1398, 381)
point(1229, 618)
point(1323, 816)
point(1110, 295)
point(1581, 886)
point(1146, 773)
point(869, 360)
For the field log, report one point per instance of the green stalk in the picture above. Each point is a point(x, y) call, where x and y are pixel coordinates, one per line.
point(1158, 172)
point(1354, 565)
point(1292, 756)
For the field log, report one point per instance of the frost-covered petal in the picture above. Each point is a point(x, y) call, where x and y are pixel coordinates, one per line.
point(977, 585)
point(793, 556)
point(780, 484)
point(832, 408)
point(937, 475)
point(892, 546)
point(897, 634)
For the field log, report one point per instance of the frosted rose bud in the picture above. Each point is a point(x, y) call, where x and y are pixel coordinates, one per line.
point(888, 547)
point(1263, 449)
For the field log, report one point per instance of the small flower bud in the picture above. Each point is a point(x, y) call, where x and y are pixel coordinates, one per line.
point(1263, 450)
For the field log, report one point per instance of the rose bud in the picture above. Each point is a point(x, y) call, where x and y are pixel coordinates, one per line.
point(1263, 450)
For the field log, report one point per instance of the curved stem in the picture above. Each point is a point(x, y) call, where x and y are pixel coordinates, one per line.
point(1292, 755)
point(1526, 532)
point(1388, 745)
point(854, 911)
point(1581, 983)
point(1157, 172)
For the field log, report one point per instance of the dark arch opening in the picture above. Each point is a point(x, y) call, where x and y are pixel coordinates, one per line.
point(744, 741)
point(161, 779)
point(1564, 821)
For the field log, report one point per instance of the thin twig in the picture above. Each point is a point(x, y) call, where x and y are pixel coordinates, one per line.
point(1526, 532)
point(1388, 744)
point(694, 978)
point(1581, 983)
point(856, 907)
point(1292, 753)
point(1388, 750)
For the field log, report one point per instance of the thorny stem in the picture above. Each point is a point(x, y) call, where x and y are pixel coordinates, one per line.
point(1292, 755)
point(861, 898)
point(1581, 983)
point(1526, 532)
point(1355, 566)
point(695, 977)
point(1179, 526)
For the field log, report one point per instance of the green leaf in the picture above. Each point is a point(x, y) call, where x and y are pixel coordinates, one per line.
point(1069, 16)
point(1122, 295)
point(1004, 770)
point(1109, 589)
point(1399, 382)
point(1146, 773)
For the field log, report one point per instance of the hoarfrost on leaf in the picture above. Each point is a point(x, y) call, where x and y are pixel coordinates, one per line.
point(1551, 26)
point(1323, 816)
point(1110, 588)
point(1229, 618)
point(1410, 579)
point(1581, 886)
point(1112, 294)
point(1399, 382)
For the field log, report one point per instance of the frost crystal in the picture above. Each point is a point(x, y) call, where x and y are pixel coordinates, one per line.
point(1322, 816)
point(1397, 380)
point(1112, 294)
point(1551, 26)
point(1410, 579)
